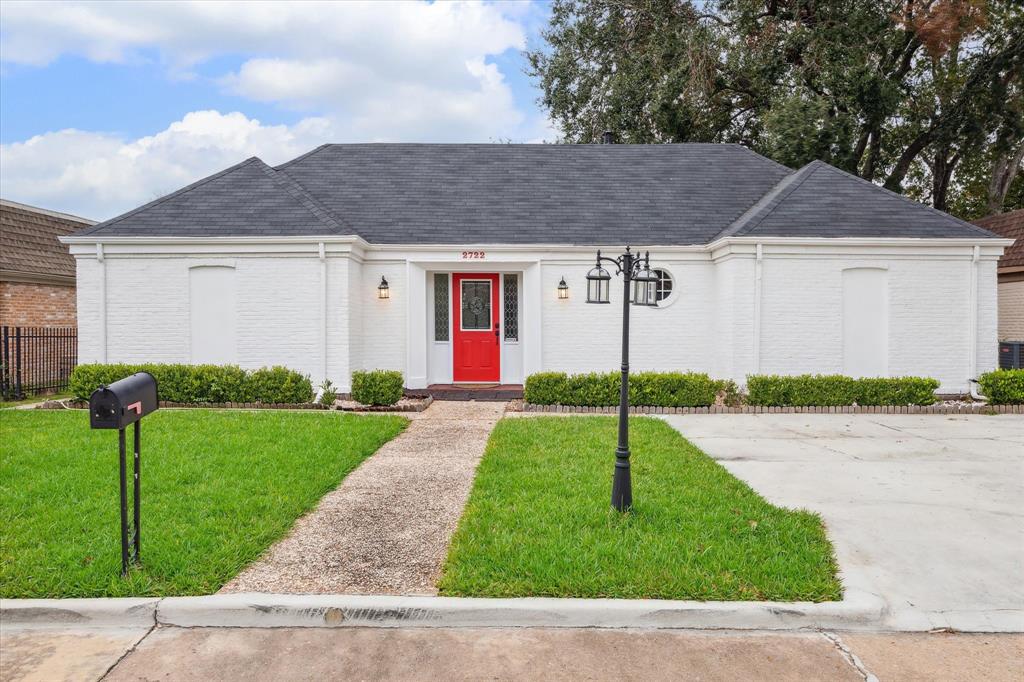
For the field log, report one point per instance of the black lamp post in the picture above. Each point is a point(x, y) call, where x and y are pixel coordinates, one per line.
point(636, 270)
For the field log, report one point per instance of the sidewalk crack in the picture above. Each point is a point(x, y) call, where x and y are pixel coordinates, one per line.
point(134, 646)
point(849, 656)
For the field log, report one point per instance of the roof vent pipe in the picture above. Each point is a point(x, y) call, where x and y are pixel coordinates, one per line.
point(607, 137)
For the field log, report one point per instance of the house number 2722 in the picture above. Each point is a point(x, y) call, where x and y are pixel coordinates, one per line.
point(473, 255)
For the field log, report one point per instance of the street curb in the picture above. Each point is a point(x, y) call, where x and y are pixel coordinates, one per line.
point(109, 612)
point(857, 611)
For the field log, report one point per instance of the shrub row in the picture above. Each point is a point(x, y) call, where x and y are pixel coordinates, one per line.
point(655, 389)
point(377, 387)
point(826, 390)
point(202, 383)
point(1003, 387)
point(674, 389)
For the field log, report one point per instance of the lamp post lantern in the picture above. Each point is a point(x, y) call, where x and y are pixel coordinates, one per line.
point(636, 271)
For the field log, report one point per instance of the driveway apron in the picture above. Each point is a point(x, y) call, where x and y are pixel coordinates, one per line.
point(386, 528)
point(923, 510)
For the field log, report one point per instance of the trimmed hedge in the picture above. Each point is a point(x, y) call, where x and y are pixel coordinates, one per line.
point(379, 387)
point(827, 390)
point(649, 389)
point(1003, 386)
point(201, 383)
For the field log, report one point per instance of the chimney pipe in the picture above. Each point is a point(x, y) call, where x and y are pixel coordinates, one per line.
point(607, 137)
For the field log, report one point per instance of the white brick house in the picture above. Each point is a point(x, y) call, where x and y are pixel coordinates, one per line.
point(765, 270)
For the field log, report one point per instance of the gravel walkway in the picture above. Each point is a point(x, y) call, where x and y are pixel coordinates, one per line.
point(386, 528)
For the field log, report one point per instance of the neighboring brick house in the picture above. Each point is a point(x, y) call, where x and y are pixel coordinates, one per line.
point(37, 274)
point(1010, 272)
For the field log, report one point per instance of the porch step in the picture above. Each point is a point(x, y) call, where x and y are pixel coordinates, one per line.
point(488, 392)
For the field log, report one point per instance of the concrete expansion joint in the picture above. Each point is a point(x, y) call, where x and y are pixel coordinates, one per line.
point(135, 645)
point(130, 650)
point(849, 656)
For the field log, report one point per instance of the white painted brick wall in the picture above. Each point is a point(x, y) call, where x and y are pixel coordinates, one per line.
point(147, 310)
point(801, 316)
point(709, 327)
point(383, 322)
point(929, 320)
point(279, 313)
point(339, 313)
point(579, 337)
point(89, 276)
point(929, 303)
point(733, 319)
point(356, 304)
point(278, 319)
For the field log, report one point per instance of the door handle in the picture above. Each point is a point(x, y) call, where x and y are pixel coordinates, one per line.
point(497, 334)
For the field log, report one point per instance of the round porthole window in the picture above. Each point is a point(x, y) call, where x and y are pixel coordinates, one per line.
point(664, 286)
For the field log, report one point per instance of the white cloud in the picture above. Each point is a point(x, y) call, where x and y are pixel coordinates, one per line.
point(382, 64)
point(396, 34)
point(359, 71)
point(97, 175)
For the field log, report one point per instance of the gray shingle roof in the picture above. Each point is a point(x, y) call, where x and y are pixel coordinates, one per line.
point(522, 194)
point(820, 200)
point(248, 199)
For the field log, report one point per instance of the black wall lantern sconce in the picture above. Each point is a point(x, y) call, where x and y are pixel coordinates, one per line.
point(636, 271)
point(383, 290)
point(563, 290)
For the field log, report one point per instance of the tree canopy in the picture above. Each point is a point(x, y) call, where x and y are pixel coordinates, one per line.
point(924, 97)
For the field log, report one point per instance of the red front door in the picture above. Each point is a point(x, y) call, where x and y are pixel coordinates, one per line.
point(477, 348)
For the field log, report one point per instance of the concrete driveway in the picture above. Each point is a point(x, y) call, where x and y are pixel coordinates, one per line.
point(926, 511)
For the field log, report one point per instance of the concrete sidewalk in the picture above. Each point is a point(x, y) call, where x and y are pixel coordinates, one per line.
point(924, 511)
point(386, 528)
point(502, 654)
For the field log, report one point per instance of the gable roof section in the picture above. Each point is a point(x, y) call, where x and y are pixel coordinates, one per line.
point(1011, 226)
point(249, 198)
point(645, 195)
point(820, 200)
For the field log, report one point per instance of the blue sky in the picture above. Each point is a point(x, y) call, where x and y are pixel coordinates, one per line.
point(104, 106)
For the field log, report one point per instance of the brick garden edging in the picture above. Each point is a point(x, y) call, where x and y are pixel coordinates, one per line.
point(977, 408)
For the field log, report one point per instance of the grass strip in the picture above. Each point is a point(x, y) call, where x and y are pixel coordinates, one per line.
point(539, 522)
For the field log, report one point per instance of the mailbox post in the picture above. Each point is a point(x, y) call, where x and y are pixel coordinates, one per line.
point(116, 406)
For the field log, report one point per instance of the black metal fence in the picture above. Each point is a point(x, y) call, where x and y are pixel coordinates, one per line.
point(36, 360)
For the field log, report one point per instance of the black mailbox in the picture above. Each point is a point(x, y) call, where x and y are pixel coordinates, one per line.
point(123, 402)
point(116, 406)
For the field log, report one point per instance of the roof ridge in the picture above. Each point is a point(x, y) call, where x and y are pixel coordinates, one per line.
point(753, 153)
point(905, 198)
point(302, 195)
point(46, 211)
point(300, 157)
point(198, 183)
point(771, 200)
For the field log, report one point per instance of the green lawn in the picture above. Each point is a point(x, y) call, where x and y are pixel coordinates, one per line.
point(218, 487)
point(539, 522)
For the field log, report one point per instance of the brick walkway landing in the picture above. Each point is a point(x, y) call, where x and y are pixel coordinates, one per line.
point(386, 528)
point(500, 392)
